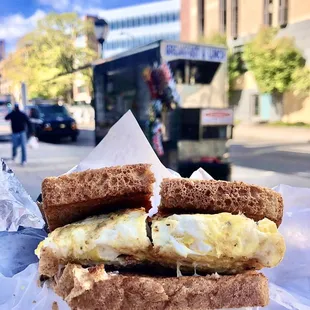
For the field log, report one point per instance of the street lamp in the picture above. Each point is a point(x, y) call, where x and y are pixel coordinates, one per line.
point(101, 33)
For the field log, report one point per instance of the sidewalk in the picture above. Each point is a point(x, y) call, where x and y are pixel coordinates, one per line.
point(272, 134)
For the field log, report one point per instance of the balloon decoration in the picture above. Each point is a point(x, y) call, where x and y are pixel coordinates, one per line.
point(164, 97)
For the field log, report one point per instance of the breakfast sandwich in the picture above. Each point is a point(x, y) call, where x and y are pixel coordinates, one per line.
point(201, 251)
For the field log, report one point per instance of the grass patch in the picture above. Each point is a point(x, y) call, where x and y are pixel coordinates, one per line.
point(283, 124)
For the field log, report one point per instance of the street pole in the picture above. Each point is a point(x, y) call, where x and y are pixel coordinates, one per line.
point(101, 32)
point(24, 94)
point(100, 49)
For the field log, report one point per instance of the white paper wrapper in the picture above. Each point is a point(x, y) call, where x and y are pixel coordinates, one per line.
point(126, 144)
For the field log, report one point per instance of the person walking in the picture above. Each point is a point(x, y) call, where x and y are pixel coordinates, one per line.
point(19, 124)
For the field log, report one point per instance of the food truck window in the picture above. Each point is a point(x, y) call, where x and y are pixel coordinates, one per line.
point(193, 72)
point(178, 71)
point(202, 72)
point(120, 91)
point(214, 132)
point(189, 124)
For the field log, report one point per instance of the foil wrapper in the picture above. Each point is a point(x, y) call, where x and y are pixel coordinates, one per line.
point(16, 206)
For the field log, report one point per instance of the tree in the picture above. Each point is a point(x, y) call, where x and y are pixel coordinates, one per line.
point(273, 62)
point(216, 39)
point(301, 80)
point(46, 57)
point(235, 63)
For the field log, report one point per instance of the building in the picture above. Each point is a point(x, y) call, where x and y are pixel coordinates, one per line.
point(141, 24)
point(240, 20)
point(81, 91)
point(130, 27)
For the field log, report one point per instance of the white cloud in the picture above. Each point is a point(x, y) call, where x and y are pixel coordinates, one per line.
point(59, 5)
point(78, 6)
point(14, 26)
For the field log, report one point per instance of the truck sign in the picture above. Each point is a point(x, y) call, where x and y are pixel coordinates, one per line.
point(172, 51)
point(217, 117)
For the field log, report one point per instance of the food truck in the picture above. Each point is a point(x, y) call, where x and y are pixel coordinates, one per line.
point(178, 94)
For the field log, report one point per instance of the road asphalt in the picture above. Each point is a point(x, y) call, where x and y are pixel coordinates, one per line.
point(259, 162)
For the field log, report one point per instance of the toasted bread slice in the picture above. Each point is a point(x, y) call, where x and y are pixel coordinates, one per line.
point(202, 196)
point(93, 288)
point(72, 197)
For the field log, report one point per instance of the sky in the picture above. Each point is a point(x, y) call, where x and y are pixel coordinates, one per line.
point(19, 16)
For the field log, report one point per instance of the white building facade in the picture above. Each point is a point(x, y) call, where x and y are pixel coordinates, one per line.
point(141, 24)
point(130, 27)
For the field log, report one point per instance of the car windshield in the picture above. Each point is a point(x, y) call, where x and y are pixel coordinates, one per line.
point(53, 110)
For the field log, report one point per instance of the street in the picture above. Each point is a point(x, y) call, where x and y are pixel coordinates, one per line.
point(268, 164)
point(258, 162)
point(48, 160)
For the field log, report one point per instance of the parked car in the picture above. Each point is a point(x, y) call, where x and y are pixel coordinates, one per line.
point(52, 121)
point(5, 126)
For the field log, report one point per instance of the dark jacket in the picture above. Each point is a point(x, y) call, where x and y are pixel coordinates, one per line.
point(19, 121)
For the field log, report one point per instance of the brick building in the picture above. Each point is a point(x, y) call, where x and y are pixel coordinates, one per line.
point(240, 20)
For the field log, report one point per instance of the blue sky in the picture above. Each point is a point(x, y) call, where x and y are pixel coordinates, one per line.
point(19, 16)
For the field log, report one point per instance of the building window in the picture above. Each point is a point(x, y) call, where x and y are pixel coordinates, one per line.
point(283, 13)
point(268, 12)
point(234, 18)
point(223, 16)
point(201, 19)
point(256, 106)
point(130, 23)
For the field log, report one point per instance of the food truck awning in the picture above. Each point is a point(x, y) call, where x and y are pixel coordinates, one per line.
point(166, 51)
